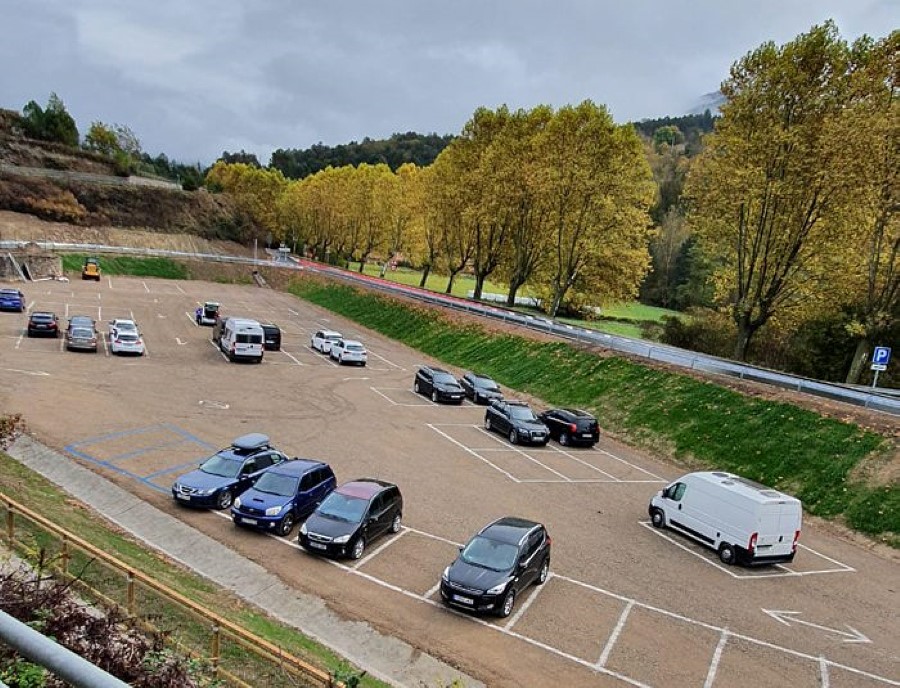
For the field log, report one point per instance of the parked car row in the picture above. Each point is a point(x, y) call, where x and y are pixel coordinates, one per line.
point(267, 491)
point(81, 333)
point(338, 348)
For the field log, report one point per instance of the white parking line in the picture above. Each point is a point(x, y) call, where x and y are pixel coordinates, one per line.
point(109, 281)
point(614, 636)
point(582, 461)
point(378, 550)
point(390, 363)
point(292, 357)
point(217, 348)
point(146, 288)
point(717, 657)
point(628, 463)
point(477, 456)
point(524, 607)
point(844, 568)
point(181, 290)
point(523, 453)
point(192, 319)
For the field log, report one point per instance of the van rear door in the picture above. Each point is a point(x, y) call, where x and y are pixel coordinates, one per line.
point(778, 524)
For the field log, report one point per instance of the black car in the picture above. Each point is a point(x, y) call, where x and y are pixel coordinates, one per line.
point(43, 324)
point(503, 559)
point(480, 388)
point(271, 337)
point(351, 517)
point(517, 421)
point(439, 384)
point(571, 426)
point(227, 473)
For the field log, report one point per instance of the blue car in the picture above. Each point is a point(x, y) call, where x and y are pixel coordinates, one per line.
point(12, 300)
point(227, 473)
point(283, 495)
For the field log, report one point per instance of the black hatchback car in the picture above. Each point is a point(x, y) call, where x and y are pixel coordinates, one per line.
point(517, 421)
point(351, 517)
point(572, 426)
point(271, 337)
point(504, 558)
point(438, 384)
point(43, 324)
point(480, 388)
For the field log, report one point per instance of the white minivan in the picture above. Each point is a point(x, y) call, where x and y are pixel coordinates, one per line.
point(242, 339)
point(745, 522)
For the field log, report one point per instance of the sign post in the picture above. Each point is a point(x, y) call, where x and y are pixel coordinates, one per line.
point(880, 359)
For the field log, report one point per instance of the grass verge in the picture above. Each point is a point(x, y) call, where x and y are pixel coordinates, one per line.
point(45, 498)
point(699, 423)
point(138, 266)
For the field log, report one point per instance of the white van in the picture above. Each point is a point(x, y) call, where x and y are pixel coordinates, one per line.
point(745, 522)
point(242, 339)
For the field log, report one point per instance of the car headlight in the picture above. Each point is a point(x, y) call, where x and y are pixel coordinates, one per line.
point(445, 576)
point(497, 589)
point(303, 530)
point(237, 503)
point(522, 431)
point(342, 539)
point(274, 510)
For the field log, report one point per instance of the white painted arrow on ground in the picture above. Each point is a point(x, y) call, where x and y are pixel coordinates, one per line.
point(180, 343)
point(788, 618)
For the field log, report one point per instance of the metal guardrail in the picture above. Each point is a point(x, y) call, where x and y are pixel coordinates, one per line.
point(235, 656)
point(885, 403)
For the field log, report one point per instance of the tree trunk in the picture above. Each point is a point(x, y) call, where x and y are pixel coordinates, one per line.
point(425, 272)
point(479, 286)
point(511, 297)
point(362, 262)
point(453, 274)
point(863, 346)
point(745, 333)
point(558, 295)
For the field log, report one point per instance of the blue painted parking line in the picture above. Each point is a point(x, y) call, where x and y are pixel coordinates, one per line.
point(144, 450)
point(76, 449)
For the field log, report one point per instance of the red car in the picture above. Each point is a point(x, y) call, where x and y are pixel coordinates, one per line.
point(43, 324)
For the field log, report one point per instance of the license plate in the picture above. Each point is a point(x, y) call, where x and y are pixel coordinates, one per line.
point(249, 521)
point(317, 545)
point(587, 434)
point(463, 600)
point(185, 497)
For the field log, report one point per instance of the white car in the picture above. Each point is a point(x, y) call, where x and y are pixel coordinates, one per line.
point(323, 339)
point(122, 325)
point(348, 351)
point(126, 342)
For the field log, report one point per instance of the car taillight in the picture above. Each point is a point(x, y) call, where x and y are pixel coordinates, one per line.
point(796, 538)
point(752, 544)
point(573, 427)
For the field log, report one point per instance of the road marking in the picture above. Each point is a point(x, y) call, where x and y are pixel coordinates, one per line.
point(214, 404)
point(217, 348)
point(293, 358)
point(716, 658)
point(628, 463)
point(67, 309)
point(192, 319)
point(378, 550)
point(390, 363)
point(477, 456)
point(524, 606)
point(614, 636)
point(823, 672)
point(432, 590)
point(356, 378)
point(146, 288)
point(582, 461)
point(788, 618)
point(180, 343)
point(36, 373)
point(522, 453)
point(19, 339)
point(181, 290)
point(787, 572)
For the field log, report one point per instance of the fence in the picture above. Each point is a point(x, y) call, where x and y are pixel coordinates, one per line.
point(230, 653)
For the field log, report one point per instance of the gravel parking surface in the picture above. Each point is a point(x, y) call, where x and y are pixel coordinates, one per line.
point(624, 604)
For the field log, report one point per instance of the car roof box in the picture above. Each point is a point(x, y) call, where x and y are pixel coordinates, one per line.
point(253, 440)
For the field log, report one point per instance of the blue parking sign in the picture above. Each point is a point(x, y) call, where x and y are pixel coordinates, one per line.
point(881, 355)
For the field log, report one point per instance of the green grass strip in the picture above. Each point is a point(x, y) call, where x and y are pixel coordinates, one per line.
point(696, 422)
point(136, 266)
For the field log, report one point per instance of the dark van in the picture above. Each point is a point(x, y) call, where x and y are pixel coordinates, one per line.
point(271, 337)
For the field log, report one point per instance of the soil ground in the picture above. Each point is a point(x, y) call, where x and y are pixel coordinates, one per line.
point(625, 603)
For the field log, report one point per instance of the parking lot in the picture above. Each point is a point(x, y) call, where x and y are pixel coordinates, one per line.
point(624, 603)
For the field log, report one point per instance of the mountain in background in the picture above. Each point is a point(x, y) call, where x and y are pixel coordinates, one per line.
point(711, 101)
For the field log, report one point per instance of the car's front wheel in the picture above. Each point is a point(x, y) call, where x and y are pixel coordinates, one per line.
point(658, 518)
point(508, 603)
point(224, 499)
point(416, 386)
point(284, 527)
point(358, 548)
point(513, 437)
point(434, 396)
point(564, 439)
point(487, 423)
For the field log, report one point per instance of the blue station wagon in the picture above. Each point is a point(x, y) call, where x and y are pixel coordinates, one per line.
point(12, 300)
point(227, 473)
point(283, 495)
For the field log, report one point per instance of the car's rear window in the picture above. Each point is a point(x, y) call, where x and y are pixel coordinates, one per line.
point(248, 339)
point(82, 333)
point(9, 292)
point(354, 347)
point(127, 337)
point(42, 317)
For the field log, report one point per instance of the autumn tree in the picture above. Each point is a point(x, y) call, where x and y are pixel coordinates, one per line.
point(599, 189)
point(868, 128)
point(256, 191)
point(402, 199)
point(766, 178)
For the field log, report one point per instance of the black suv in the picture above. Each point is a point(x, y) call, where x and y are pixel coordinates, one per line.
point(438, 383)
point(517, 421)
point(571, 426)
point(351, 517)
point(498, 563)
point(271, 337)
point(480, 388)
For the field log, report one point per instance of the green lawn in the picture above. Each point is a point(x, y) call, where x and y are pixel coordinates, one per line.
point(138, 266)
point(462, 285)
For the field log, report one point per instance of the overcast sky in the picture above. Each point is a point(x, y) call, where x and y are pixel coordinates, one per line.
point(193, 78)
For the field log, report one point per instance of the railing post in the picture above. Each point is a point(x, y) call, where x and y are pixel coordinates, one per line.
point(130, 593)
point(10, 525)
point(64, 554)
point(214, 650)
